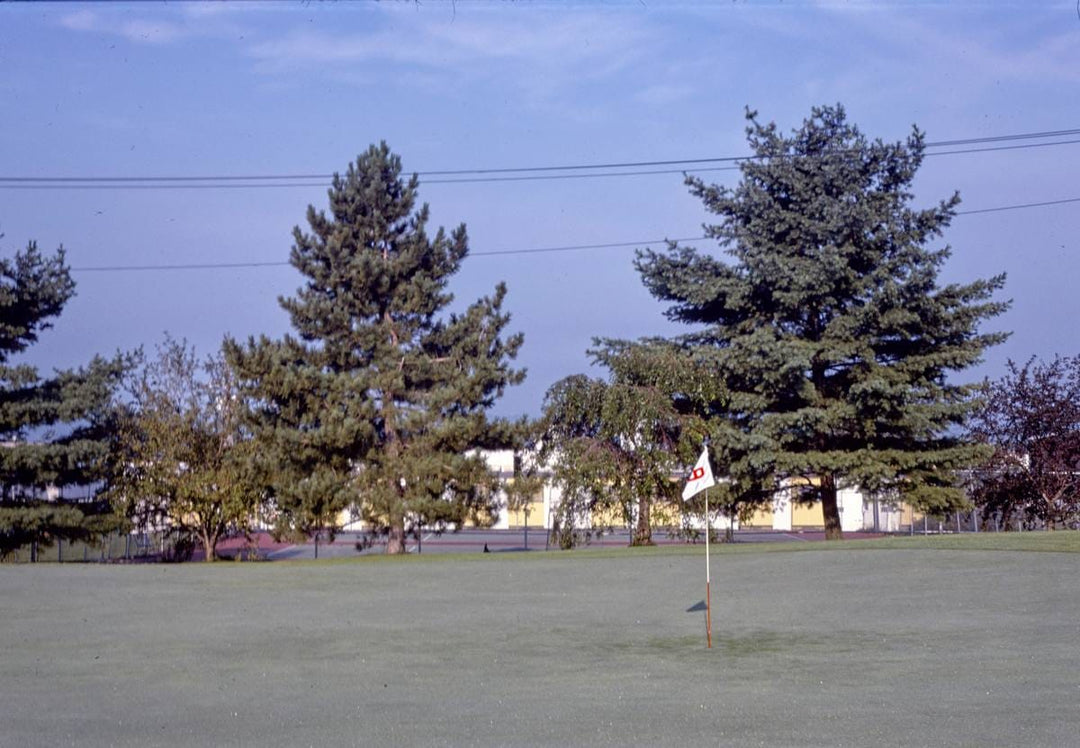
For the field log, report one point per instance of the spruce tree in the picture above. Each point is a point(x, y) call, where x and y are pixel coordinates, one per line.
point(54, 432)
point(831, 340)
point(380, 399)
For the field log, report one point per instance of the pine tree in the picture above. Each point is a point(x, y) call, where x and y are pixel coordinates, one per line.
point(380, 400)
point(54, 432)
point(829, 336)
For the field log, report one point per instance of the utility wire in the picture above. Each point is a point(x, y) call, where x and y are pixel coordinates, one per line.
point(1003, 148)
point(458, 176)
point(533, 250)
point(1000, 138)
point(245, 185)
point(1018, 207)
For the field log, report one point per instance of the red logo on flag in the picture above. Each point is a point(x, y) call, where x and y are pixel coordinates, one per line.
point(699, 472)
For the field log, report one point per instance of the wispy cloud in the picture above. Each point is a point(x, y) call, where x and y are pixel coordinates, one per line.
point(143, 31)
point(982, 52)
point(540, 54)
point(537, 57)
point(522, 36)
point(160, 25)
point(665, 93)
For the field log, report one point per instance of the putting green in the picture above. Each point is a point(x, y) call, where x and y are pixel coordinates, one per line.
point(918, 644)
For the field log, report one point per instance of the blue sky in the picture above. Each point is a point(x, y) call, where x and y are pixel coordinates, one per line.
point(238, 89)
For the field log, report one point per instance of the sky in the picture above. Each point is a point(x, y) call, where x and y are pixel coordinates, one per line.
point(299, 89)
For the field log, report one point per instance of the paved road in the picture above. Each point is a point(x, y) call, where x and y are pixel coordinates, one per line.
point(507, 541)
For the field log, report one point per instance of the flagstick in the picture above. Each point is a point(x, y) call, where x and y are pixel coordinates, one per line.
point(708, 600)
point(701, 479)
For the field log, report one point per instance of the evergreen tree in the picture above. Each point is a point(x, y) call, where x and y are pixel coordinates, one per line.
point(380, 400)
point(54, 431)
point(829, 335)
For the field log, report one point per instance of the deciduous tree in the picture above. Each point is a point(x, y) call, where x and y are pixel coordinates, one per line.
point(617, 445)
point(183, 459)
point(1031, 419)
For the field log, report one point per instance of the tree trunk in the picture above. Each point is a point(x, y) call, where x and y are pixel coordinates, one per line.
point(209, 542)
point(643, 527)
point(395, 541)
point(830, 508)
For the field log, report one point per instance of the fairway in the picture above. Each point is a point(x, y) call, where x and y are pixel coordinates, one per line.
point(816, 646)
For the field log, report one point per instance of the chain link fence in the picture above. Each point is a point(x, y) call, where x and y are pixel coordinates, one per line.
point(116, 547)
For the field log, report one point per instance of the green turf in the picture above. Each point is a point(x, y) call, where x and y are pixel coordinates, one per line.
point(1056, 542)
point(969, 641)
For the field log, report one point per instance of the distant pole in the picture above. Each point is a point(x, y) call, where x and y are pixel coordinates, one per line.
point(708, 597)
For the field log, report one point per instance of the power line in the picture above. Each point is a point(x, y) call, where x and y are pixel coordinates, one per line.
point(579, 247)
point(460, 176)
point(1018, 207)
point(260, 185)
point(192, 266)
point(1000, 138)
point(527, 251)
point(490, 253)
point(165, 186)
point(1004, 148)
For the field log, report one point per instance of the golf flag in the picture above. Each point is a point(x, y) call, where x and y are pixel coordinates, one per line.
point(701, 477)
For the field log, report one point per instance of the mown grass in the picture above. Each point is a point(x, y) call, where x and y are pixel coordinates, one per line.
point(1067, 541)
point(937, 640)
point(1058, 542)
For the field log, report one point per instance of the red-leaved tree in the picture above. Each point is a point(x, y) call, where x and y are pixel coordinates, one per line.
point(1032, 419)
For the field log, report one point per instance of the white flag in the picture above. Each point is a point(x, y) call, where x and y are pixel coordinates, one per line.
point(701, 478)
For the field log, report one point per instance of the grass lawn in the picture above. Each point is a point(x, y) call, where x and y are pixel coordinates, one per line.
point(971, 641)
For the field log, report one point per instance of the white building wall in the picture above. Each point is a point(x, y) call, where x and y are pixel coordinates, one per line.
point(781, 510)
point(889, 515)
point(500, 462)
point(850, 502)
point(719, 521)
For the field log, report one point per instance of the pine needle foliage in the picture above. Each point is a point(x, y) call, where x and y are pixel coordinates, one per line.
point(379, 401)
point(827, 330)
point(54, 431)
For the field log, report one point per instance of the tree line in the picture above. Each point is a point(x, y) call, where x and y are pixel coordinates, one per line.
point(821, 351)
